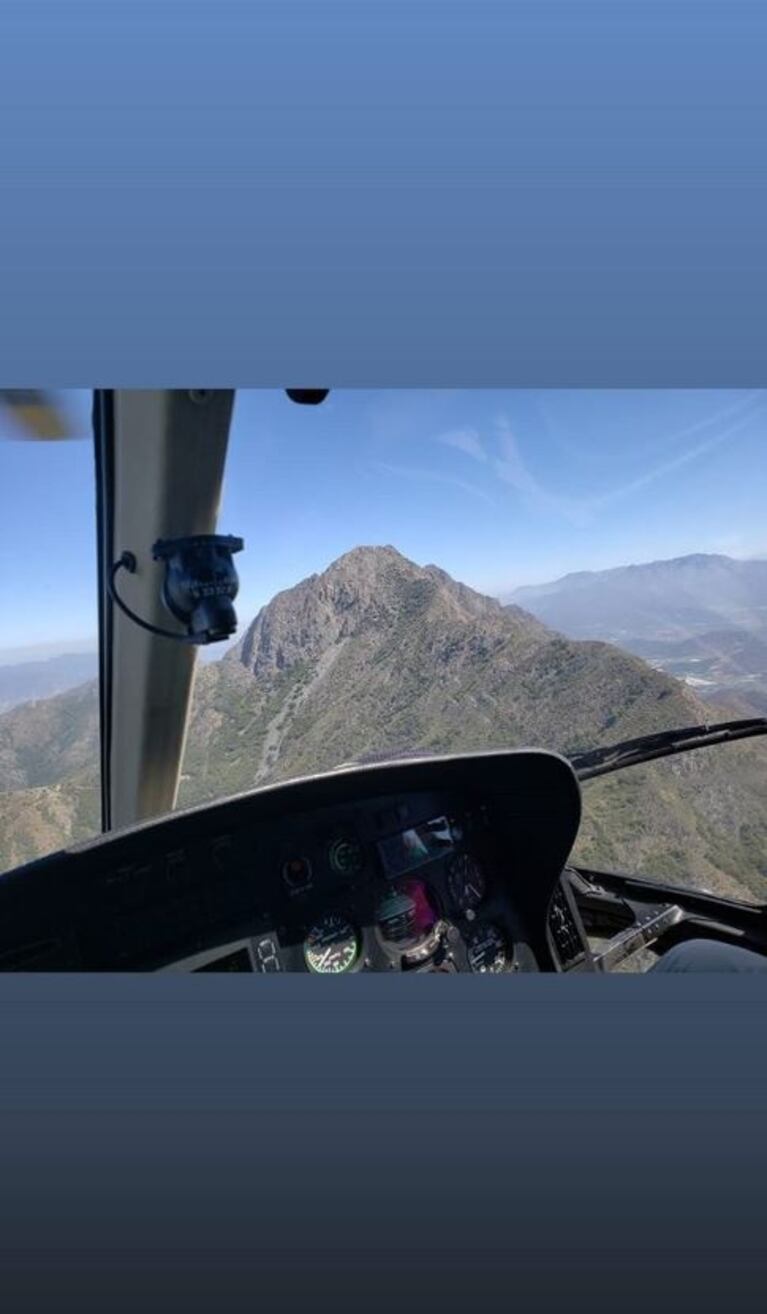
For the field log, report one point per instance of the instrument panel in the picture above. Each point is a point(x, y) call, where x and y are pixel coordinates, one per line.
point(391, 888)
point(439, 864)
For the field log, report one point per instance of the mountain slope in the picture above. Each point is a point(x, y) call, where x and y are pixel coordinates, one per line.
point(40, 820)
point(44, 741)
point(379, 655)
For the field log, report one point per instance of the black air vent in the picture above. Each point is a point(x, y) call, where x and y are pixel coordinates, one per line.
point(564, 931)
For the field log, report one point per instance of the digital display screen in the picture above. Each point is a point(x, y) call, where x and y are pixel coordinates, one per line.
point(239, 961)
point(413, 847)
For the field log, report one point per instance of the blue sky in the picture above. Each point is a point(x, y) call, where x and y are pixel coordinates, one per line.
point(500, 488)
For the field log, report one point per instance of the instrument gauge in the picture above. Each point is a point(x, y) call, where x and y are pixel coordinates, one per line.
point(465, 882)
point(346, 856)
point(332, 945)
point(486, 949)
point(297, 874)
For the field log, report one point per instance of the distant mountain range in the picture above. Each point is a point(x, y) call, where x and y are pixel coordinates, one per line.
point(702, 618)
point(378, 655)
point(21, 682)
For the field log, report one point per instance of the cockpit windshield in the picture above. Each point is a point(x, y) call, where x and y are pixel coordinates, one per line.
point(430, 571)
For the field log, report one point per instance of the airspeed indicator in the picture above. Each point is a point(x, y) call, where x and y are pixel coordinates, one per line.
point(332, 945)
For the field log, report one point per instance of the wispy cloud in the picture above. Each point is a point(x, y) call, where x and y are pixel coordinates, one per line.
point(512, 469)
point(744, 404)
point(464, 440)
point(741, 406)
point(500, 449)
point(676, 463)
point(434, 477)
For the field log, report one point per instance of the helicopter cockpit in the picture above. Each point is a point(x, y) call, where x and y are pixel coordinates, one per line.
point(450, 863)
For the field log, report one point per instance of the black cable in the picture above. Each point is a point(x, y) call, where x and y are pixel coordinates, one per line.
point(128, 562)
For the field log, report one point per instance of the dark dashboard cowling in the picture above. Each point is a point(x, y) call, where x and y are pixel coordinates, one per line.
point(278, 876)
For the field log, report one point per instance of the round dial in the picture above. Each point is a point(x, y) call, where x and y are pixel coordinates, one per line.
point(346, 857)
point(331, 945)
point(465, 882)
point(486, 949)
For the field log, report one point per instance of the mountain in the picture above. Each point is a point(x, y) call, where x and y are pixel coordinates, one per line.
point(21, 682)
point(702, 618)
point(421, 660)
point(377, 655)
point(666, 600)
point(44, 742)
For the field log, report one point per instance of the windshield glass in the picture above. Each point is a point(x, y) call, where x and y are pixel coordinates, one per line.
point(49, 760)
point(436, 570)
point(698, 820)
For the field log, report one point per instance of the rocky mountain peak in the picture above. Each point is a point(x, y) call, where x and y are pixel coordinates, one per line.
point(367, 589)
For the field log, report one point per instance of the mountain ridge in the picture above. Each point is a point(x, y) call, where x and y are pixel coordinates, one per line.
point(686, 561)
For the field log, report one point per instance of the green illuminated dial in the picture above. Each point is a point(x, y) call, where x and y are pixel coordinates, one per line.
point(331, 945)
point(346, 857)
